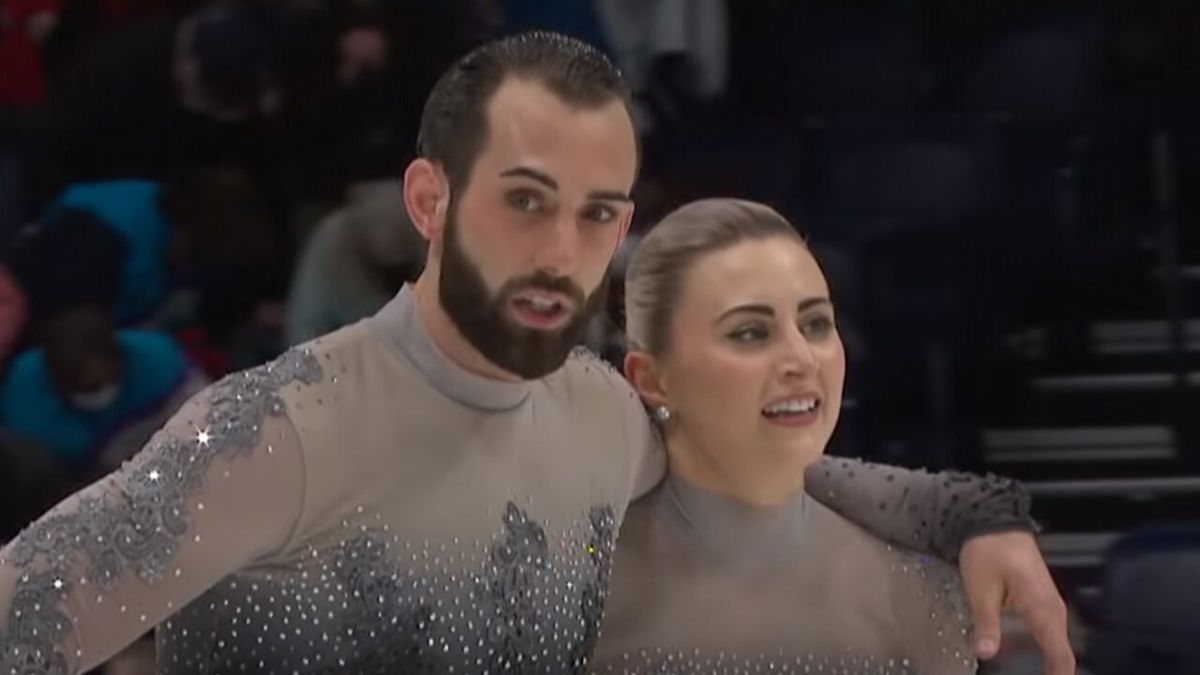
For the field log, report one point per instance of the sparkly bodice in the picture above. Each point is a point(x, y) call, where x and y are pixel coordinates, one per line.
point(526, 600)
point(436, 535)
point(702, 584)
point(362, 505)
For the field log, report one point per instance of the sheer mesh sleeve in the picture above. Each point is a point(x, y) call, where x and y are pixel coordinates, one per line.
point(930, 512)
point(219, 488)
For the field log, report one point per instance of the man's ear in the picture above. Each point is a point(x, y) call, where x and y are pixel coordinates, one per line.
point(426, 197)
point(644, 373)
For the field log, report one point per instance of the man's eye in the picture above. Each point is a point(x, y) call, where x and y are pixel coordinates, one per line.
point(525, 202)
point(599, 213)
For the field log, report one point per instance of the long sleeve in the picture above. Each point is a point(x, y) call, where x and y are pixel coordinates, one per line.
point(933, 513)
point(218, 489)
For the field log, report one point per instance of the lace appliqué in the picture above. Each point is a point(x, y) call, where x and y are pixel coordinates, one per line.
point(595, 592)
point(516, 566)
point(382, 596)
point(140, 530)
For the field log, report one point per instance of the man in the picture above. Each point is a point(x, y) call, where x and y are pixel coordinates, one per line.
point(437, 488)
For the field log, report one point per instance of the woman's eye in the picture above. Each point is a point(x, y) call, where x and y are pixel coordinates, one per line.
point(817, 327)
point(749, 334)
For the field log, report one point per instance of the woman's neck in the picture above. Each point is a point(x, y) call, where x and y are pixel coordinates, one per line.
point(754, 483)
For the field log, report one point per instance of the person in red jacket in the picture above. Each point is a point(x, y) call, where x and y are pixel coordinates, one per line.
point(24, 27)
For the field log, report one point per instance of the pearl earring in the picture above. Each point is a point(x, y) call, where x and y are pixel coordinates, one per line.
point(662, 413)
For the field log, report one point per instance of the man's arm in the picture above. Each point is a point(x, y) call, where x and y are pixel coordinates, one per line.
point(981, 522)
point(929, 512)
point(220, 487)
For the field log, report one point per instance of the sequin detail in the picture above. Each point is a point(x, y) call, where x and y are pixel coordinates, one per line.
point(377, 590)
point(662, 662)
point(517, 562)
point(940, 517)
point(375, 602)
point(595, 594)
point(589, 359)
point(139, 531)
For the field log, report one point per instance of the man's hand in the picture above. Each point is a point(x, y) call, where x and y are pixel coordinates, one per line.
point(1006, 572)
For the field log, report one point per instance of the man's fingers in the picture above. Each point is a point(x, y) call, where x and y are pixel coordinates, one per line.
point(987, 601)
point(1048, 621)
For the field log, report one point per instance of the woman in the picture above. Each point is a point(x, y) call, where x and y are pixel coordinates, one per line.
point(727, 566)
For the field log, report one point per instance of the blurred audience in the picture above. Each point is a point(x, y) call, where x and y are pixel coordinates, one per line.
point(674, 54)
point(31, 481)
point(13, 311)
point(92, 394)
point(355, 261)
point(230, 262)
point(25, 26)
point(87, 391)
point(131, 209)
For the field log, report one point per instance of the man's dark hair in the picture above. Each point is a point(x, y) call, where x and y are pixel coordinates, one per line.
point(454, 121)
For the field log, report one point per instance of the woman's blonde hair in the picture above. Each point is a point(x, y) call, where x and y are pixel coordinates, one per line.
point(655, 276)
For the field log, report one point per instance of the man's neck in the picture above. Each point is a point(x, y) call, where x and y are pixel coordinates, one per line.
point(446, 336)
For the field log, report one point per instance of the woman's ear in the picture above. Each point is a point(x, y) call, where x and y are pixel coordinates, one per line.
point(644, 373)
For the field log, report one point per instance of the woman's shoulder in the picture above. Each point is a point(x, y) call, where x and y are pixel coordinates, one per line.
point(905, 568)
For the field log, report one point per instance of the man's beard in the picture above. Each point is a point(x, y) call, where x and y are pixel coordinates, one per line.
point(482, 317)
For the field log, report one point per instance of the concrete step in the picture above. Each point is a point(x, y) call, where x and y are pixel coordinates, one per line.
point(1109, 338)
point(1089, 507)
point(1078, 444)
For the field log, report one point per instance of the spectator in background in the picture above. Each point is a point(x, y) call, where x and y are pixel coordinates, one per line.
point(25, 26)
point(355, 262)
point(224, 66)
point(30, 483)
point(12, 313)
point(363, 70)
point(159, 92)
point(674, 54)
point(79, 23)
point(90, 393)
point(231, 265)
point(131, 209)
point(201, 250)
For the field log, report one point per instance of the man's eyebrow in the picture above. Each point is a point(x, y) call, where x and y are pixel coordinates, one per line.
point(532, 174)
point(546, 180)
